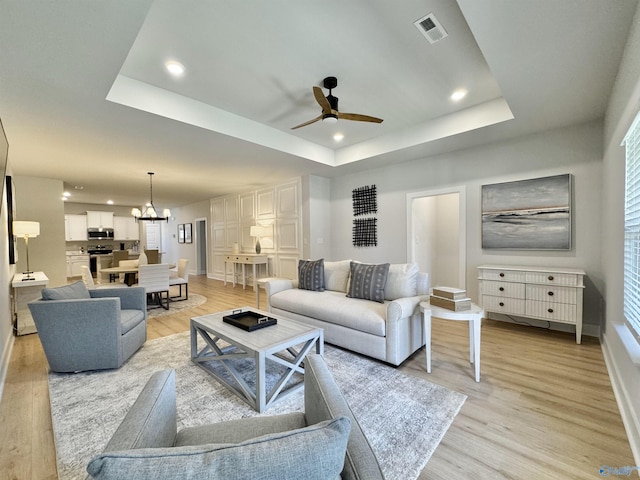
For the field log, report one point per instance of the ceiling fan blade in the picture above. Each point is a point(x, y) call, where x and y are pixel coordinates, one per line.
point(319, 117)
point(358, 118)
point(322, 100)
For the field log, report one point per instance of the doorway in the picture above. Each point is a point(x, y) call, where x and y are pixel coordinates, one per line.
point(200, 243)
point(436, 234)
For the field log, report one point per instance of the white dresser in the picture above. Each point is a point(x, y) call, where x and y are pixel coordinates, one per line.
point(543, 293)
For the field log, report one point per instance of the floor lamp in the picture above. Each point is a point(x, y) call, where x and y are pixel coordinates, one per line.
point(26, 230)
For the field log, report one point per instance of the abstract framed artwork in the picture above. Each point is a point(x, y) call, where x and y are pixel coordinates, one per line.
point(532, 214)
point(181, 233)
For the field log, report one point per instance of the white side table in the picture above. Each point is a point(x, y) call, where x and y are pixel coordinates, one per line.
point(25, 291)
point(473, 316)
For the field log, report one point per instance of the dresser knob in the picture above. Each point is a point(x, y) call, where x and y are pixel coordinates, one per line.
point(501, 274)
point(550, 277)
point(501, 289)
point(550, 310)
point(550, 294)
point(501, 304)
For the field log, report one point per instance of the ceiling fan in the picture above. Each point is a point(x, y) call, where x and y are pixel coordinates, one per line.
point(329, 106)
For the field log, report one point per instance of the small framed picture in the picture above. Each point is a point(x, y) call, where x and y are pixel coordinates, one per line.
point(187, 233)
point(181, 233)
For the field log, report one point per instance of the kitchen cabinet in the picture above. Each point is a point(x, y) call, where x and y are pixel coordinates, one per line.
point(125, 228)
point(99, 219)
point(75, 228)
point(75, 263)
point(543, 293)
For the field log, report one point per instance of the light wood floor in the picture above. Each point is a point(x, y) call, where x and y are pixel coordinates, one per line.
point(544, 408)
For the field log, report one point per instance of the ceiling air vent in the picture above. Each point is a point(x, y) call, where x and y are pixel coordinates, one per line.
point(430, 27)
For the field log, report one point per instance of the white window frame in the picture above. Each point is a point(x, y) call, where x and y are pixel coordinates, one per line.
point(631, 279)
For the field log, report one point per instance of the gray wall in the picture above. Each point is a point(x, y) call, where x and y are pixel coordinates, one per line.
point(575, 150)
point(40, 199)
point(623, 106)
point(7, 273)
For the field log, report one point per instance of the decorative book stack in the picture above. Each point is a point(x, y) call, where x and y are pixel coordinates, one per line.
point(450, 298)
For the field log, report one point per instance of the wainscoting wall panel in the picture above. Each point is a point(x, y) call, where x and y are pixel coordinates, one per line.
point(277, 209)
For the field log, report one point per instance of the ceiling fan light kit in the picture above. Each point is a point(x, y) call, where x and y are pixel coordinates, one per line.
point(329, 105)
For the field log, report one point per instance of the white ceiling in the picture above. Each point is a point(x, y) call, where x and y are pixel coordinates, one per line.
point(84, 96)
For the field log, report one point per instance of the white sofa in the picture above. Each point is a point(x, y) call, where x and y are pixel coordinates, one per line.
point(389, 331)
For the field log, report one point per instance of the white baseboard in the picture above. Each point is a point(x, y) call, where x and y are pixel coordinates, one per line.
point(4, 362)
point(625, 402)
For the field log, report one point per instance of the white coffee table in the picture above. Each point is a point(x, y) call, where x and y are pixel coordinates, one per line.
point(473, 316)
point(285, 344)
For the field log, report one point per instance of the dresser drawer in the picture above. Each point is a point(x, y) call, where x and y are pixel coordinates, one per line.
point(543, 293)
point(512, 306)
point(558, 312)
point(547, 278)
point(502, 289)
point(503, 275)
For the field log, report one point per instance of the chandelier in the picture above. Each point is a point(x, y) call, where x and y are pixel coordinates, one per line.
point(150, 213)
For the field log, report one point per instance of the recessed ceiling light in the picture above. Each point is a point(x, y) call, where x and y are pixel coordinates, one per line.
point(78, 187)
point(109, 202)
point(458, 95)
point(174, 68)
point(338, 136)
point(66, 194)
point(64, 199)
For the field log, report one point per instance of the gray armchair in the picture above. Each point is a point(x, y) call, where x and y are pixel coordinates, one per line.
point(84, 329)
point(323, 442)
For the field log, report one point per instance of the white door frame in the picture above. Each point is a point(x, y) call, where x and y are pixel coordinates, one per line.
point(200, 248)
point(460, 190)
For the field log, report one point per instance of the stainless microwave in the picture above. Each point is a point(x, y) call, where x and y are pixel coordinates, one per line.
point(100, 234)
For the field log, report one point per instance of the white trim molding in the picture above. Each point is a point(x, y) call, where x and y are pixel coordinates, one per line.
point(623, 398)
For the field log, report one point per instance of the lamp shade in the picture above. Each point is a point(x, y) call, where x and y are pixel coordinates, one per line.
point(26, 229)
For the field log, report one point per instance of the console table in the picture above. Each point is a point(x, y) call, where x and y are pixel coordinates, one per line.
point(244, 259)
point(24, 291)
point(542, 293)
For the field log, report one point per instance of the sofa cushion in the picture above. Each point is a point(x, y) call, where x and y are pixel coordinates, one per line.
point(401, 281)
point(311, 275)
point(73, 291)
point(336, 275)
point(368, 281)
point(334, 307)
point(130, 319)
point(313, 452)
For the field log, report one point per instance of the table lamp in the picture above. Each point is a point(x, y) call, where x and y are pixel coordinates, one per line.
point(26, 230)
point(255, 232)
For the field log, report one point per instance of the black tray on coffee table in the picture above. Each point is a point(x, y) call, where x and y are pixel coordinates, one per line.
point(249, 320)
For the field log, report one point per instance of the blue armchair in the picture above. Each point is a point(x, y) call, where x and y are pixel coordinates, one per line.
point(84, 329)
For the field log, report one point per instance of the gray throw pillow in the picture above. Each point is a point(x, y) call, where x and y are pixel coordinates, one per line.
point(315, 452)
point(368, 281)
point(74, 291)
point(311, 275)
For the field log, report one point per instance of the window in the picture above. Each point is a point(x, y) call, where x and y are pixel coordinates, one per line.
point(632, 229)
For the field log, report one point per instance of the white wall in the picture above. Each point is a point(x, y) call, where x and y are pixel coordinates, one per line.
point(624, 104)
point(173, 251)
point(575, 150)
point(316, 205)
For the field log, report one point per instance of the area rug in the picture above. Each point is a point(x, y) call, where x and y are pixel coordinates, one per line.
point(194, 300)
point(403, 417)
